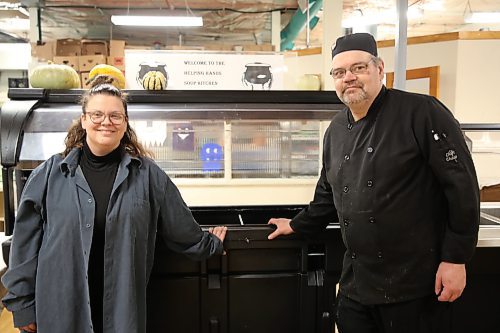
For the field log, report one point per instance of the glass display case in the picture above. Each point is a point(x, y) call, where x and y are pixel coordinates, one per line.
point(240, 158)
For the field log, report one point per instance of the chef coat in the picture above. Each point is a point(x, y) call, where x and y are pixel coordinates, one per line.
point(402, 185)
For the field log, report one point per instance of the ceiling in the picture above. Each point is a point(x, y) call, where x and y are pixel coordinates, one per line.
point(231, 22)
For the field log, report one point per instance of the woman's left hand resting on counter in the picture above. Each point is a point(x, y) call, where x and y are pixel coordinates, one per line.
point(219, 232)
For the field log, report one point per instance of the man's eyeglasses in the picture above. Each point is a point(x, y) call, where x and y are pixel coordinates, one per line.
point(358, 68)
point(97, 117)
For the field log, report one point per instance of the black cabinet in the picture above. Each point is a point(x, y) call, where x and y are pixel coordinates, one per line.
point(284, 285)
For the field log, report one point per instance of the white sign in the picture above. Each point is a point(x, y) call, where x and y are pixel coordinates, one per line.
point(206, 71)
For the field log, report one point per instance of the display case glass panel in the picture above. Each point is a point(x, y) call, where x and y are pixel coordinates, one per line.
point(274, 149)
point(184, 149)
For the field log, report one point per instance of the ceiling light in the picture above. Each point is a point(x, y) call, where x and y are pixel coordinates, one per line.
point(15, 24)
point(367, 18)
point(157, 21)
point(484, 17)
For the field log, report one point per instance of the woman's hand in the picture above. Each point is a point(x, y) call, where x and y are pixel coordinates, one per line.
point(219, 232)
point(29, 328)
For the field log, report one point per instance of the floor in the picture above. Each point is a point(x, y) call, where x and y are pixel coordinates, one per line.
point(6, 324)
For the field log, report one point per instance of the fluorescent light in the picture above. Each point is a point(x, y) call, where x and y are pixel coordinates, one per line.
point(359, 19)
point(485, 17)
point(15, 24)
point(157, 21)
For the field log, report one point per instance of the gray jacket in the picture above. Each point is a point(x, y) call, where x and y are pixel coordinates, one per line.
point(47, 275)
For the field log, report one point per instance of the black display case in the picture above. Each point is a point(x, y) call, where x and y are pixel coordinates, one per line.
point(284, 285)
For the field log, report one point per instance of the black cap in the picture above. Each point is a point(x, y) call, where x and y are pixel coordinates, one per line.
point(360, 41)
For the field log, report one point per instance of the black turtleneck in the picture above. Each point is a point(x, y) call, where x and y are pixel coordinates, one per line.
point(100, 173)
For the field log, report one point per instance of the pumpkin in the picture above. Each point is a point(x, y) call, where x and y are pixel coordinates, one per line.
point(54, 76)
point(108, 70)
point(154, 80)
point(309, 82)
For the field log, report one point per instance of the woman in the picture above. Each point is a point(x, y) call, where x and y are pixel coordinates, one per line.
point(85, 230)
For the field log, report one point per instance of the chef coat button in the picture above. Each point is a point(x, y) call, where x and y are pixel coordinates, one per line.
point(88, 225)
point(371, 219)
point(370, 183)
point(349, 126)
point(353, 255)
point(370, 150)
point(379, 254)
point(90, 200)
point(346, 222)
point(346, 189)
point(347, 157)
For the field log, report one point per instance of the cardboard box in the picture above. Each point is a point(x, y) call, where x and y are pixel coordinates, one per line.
point(218, 47)
point(87, 62)
point(94, 47)
point(490, 193)
point(44, 52)
point(72, 61)
point(118, 62)
point(68, 47)
point(262, 47)
point(84, 76)
point(116, 48)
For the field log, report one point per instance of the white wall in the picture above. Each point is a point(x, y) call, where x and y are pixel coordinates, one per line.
point(469, 72)
point(442, 54)
point(478, 73)
point(14, 61)
point(15, 55)
point(300, 65)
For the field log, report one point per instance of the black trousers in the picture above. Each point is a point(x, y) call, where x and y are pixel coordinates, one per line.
point(422, 315)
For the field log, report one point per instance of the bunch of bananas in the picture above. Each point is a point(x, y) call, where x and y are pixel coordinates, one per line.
point(154, 80)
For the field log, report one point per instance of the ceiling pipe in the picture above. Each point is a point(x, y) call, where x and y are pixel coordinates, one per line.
point(298, 22)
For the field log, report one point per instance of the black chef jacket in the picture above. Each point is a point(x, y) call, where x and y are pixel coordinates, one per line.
point(402, 184)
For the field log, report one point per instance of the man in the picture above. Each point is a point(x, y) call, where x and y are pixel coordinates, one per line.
point(398, 177)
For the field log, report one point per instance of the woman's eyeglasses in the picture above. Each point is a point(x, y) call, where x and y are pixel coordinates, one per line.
point(97, 117)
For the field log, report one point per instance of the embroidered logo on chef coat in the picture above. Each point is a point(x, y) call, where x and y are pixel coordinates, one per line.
point(451, 156)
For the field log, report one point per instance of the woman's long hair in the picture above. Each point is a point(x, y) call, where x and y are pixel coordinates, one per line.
point(102, 85)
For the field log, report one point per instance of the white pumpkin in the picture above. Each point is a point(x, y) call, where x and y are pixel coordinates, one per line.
point(309, 82)
point(154, 80)
point(53, 76)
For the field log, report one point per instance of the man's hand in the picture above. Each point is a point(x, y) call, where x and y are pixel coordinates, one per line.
point(282, 227)
point(219, 232)
point(450, 281)
point(29, 328)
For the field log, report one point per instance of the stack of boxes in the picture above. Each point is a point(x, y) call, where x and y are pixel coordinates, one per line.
point(83, 54)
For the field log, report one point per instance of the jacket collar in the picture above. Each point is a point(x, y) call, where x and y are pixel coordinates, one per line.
point(374, 108)
point(70, 163)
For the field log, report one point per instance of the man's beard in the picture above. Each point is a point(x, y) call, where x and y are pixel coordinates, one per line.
point(354, 98)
